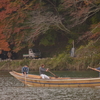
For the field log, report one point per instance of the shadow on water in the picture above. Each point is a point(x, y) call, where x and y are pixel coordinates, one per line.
point(12, 89)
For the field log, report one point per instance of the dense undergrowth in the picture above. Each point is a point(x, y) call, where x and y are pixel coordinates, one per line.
point(85, 56)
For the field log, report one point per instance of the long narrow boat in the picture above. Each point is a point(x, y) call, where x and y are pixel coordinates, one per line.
point(37, 81)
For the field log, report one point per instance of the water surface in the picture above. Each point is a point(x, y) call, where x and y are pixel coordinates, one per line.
point(12, 89)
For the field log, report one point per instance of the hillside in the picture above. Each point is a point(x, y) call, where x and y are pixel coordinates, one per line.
point(51, 26)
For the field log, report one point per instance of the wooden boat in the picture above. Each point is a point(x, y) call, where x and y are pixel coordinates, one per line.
point(37, 81)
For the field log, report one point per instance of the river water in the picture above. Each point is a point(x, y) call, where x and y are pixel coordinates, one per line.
point(12, 89)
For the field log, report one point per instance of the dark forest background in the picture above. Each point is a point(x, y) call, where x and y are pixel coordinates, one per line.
point(54, 27)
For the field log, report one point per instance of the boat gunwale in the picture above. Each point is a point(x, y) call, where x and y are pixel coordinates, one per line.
point(71, 79)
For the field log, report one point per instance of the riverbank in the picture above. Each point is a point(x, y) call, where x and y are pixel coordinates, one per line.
point(34, 64)
point(55, 64)
point(61, 62)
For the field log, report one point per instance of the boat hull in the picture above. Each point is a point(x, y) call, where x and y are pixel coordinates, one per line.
point(37, 81)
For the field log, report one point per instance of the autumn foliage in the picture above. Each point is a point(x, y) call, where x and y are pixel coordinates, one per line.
point(3, 43)
point(22, 21)
point(13, 14)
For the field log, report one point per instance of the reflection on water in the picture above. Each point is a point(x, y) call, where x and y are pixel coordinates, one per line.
point(12, 89)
